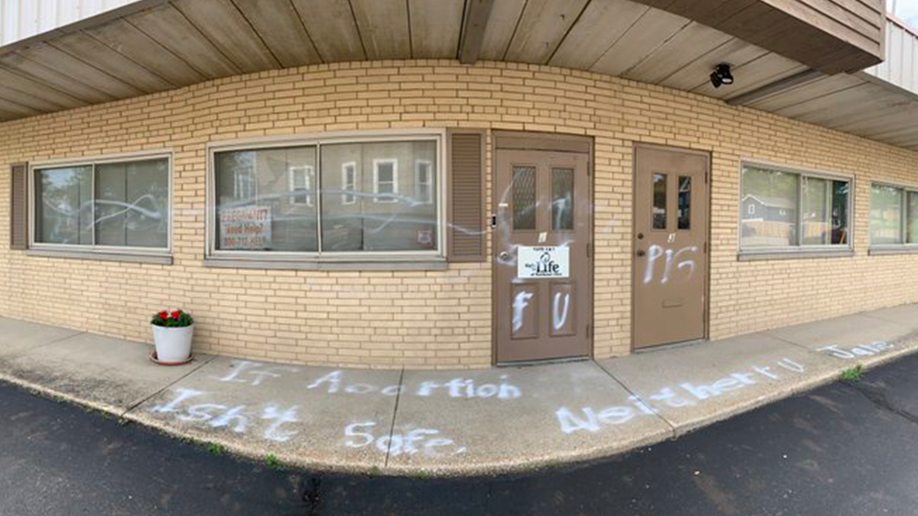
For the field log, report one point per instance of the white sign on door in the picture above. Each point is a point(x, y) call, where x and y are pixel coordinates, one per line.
point(543, 262)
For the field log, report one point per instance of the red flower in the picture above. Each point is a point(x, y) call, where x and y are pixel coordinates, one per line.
point(176, 314)
point(164, 314)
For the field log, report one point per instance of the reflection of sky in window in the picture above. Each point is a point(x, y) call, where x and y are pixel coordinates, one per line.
point(906, 10)
point(58, 177)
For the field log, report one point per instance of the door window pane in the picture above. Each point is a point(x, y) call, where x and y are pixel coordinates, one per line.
point(912, 229)
point(562, 199)
point(685, 203)
point(373, 209)
point(659, 201)
point(524, 198)
point(769, 212)
point(885, 215)
point(63, 208)
point(257, 209)
point(132, 204)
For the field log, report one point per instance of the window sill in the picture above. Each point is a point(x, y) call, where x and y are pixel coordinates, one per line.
point(892, 250)
point(305, 265)
point(795, 254)
point(158, 259)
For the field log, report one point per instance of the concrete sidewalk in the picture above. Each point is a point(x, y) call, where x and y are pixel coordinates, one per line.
point(448, 422)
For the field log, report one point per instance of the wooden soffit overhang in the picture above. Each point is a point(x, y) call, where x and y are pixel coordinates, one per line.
point(831, 36)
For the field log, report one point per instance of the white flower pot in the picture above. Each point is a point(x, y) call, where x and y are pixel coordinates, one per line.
point(172, 344)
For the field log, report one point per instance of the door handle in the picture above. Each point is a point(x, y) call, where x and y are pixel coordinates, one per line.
point(505, 256)
point(641, 253)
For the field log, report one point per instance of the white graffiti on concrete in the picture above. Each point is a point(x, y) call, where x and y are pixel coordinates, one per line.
point(253, 373)
point(335, 382)
point(861, 350)
point(593, 420)
point(684, 394)
point(279, 423)
point(279, 416)
point(426, 441)
point(466, 388)
point(237, 418)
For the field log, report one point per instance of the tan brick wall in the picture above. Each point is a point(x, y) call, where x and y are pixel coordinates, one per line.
point(434, 319)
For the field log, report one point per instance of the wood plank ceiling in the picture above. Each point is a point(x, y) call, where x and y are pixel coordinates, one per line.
point(157, 45)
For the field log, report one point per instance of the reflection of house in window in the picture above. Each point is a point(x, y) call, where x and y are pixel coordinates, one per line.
point(348, 182)
point(775, 209)
point(423, 191)
point(245, 186)
point(385, 180)
point(300, 184)
point(769, 217)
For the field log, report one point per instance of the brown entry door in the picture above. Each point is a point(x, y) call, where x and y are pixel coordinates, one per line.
point(543, 289)
point(670, 245)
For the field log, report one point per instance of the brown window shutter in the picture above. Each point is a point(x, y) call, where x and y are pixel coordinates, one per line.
point(466, 197)
point(19, 207)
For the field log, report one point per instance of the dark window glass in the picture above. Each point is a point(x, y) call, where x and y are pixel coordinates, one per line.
point(840, 205)
point(379, 196)
point(63, 207)
point(885, 215)
point(685, 202)
point(132, 204)
point(659, 201)
point(771, 200)
point(562, 199)
point(524, 198)
point(266, 200)
point(912, 220)
point(816, 211)
point(769, 213)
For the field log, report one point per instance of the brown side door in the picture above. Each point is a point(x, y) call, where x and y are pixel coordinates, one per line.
point(543, 273)
point(670, 245)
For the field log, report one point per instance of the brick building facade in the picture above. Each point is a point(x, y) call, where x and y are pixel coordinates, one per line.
point(439, 316)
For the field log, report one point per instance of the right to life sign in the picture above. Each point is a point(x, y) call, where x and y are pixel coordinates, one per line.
point(543, 262)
